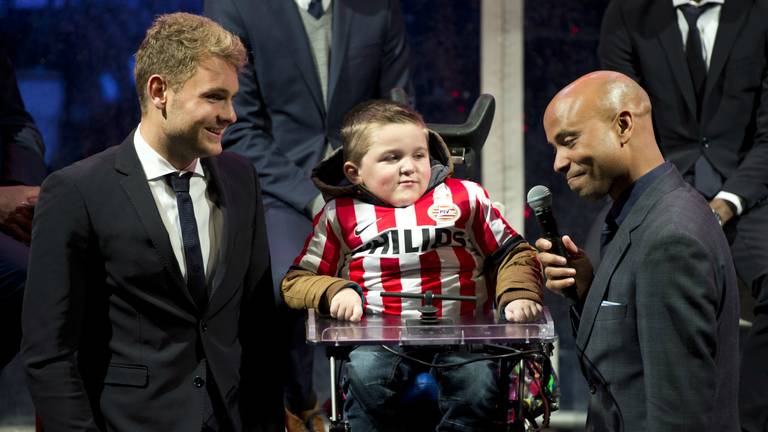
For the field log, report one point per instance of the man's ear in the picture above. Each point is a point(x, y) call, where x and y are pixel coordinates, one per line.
point(352, 173)
point(157, 90)
point(624, 125)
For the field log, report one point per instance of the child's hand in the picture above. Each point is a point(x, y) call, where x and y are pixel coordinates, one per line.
point(347, 305)
point(522, 310)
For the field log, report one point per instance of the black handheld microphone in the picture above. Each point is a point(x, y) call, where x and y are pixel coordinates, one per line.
point(540, 200)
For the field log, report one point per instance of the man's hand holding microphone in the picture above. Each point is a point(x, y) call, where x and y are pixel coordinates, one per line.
point(566, 266)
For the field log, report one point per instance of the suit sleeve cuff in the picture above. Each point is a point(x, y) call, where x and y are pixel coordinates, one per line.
point(733, 199)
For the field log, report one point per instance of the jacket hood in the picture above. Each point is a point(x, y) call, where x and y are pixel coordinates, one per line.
point(329, 176)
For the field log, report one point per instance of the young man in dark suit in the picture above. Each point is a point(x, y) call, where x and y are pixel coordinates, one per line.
point(311, 62)
point(149, 284)
point(658, 319)
point(704, 64)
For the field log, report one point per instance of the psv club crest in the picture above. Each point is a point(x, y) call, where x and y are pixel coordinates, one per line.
point(443, 211)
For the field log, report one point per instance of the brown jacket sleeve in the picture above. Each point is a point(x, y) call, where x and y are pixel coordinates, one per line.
point(519, 276)
point(303, 289)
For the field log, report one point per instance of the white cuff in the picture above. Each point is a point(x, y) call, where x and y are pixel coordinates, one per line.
point(733, 199)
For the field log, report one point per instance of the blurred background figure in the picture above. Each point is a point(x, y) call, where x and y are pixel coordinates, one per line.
point(21, 172)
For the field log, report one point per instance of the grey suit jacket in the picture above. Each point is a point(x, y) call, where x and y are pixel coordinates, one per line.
point(112, 338)
point(283, 124)
point(658, 336)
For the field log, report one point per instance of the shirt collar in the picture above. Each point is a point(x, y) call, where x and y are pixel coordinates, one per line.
point(155, 166)
point(678, 3)
point(304, 4)
point(623, 205)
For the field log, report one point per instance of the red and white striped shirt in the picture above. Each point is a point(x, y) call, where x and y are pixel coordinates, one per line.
point(438, 243)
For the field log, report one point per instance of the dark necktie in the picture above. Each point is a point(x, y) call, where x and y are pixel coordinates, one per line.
point(706, 179)
point(315, 8)
point(693, 51)
point(193, 256)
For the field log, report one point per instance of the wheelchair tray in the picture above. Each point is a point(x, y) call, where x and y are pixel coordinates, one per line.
point(389, 330)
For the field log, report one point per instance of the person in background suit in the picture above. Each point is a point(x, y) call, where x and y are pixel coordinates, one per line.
point(149, 287)
point(311, 62)
point(21, 171)
point(704, 64)
point(658, 319)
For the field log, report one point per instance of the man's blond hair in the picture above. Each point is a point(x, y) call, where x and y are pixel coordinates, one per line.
point(176, 44)
point(360, 122)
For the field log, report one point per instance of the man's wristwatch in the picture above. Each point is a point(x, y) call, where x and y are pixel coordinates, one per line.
point(717, 216)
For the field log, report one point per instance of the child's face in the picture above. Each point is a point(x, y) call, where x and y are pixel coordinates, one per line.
point(396, 167)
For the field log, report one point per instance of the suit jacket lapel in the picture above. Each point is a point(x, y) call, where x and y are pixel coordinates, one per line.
point(286, 17)
point(136, 187)
point(732, 16)
point(618, 248)
point(672, 43)
point(220, 289)
point(342, 17)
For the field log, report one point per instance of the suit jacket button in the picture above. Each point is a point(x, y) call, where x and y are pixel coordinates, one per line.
point(592, 388)
point(203, 326)
point(198, 381)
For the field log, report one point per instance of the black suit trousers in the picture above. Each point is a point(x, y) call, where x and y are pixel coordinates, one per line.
point(13, 272)
point(748, 236)
point(288, 230)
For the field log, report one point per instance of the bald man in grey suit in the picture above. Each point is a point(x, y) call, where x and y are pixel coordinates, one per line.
point(658, 319)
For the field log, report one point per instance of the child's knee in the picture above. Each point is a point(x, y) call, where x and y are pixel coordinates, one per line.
point(372, 366)
point(373, 376)
point(474, 385)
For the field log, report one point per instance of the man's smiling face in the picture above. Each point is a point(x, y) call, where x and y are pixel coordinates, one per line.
point(587, 148)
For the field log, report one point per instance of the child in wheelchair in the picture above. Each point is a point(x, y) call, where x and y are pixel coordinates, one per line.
point(396, 221)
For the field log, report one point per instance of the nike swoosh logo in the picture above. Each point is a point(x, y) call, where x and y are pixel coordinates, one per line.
point(359, 231)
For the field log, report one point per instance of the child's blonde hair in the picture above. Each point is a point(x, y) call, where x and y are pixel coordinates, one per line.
point(360, 122)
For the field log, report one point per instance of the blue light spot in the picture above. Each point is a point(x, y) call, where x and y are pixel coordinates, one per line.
point(131, 65)
point(109, 89)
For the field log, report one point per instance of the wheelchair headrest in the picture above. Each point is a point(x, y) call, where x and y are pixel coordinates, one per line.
point(468, 137)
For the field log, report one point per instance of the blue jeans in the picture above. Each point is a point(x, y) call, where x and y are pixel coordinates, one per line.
point(469, 398)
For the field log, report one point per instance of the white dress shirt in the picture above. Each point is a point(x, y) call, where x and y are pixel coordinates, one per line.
point(304, 4)
point(707, 23)
point(207, 215)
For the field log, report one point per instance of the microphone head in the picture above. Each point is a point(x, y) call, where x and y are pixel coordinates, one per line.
point(539, 197)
